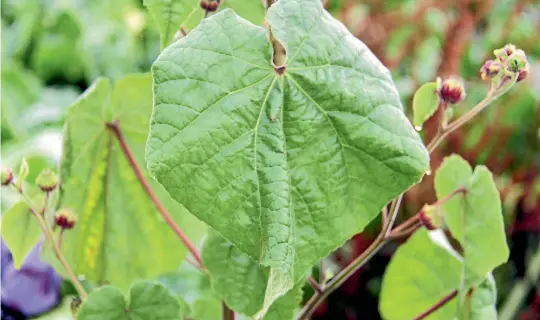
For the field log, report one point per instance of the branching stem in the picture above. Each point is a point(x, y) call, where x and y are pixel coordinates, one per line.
point(49, 235)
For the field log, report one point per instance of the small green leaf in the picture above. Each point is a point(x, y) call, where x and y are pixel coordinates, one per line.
point(420, 274)
point(425, 103)
point(21, 231)
point(147, 301)
point(474, 218)
point(170, 15)
point(23, 172)
point(119, 236)
point(288, 166)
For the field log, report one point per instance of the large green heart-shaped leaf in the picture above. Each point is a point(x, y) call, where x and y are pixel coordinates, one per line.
point(20, 230)
point(119, 236)
point(147, 301)
point(474, 218)
point(285, 165)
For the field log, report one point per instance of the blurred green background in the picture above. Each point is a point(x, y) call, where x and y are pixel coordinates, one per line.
point(52, 50)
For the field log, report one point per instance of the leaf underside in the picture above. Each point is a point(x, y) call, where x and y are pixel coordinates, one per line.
point(285, 166)
point(119, 236)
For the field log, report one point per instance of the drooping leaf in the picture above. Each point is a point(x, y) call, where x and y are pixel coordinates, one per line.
point(169, 16)
point(21, 231)
point(425, 103)
point(474, 218)
point(119, 236)
point(419, 275)
point(285, 166)
point(147, 301)
point(242, 282)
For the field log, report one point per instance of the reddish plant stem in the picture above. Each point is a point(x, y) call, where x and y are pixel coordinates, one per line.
point(228, 314)
point(314, 284)
point(114, 127)
point(395, 234)
point(437, 305)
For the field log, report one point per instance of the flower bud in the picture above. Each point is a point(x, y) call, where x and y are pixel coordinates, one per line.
point(47, 180)
point(517, 62)
point(430, 217)
point(523, 74)
point(209, 5)
point(65, 218)
point(451, 90)
point(503, 53)
point(6, 175)
point(490, 69)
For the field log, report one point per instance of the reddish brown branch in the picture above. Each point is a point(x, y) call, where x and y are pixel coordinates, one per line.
point(314, 284)
point(114, 127)
point(437, 305)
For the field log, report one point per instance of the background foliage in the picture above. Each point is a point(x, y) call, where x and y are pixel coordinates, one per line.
point(53, 50)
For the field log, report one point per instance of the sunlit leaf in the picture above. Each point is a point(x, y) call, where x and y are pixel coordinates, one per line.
point(21, 231)
point(285, 166)
point(119, 236)
point(474, 218)
point(425, 103)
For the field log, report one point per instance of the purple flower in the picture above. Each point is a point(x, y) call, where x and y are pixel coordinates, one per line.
point(32, 290)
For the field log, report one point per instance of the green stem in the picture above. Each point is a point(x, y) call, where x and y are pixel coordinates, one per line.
point(492, 95)
point(49, 235)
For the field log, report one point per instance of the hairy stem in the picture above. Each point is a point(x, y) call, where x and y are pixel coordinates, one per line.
point(114, 127)
point(437, 305)
point(49, 235)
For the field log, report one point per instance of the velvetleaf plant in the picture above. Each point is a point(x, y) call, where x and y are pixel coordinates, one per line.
point(286, 140)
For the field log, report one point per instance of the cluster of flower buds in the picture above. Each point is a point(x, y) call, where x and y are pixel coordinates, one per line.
point(47, 180)
point(209, 5)
point(65, 218)
point(6, 175)
point(431, 217)
point(509, 60)
point(451, 90)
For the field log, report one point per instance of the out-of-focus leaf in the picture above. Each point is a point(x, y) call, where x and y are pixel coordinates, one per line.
point(58, 53)
point(20, 89)
point(425, 103)
point(147, 301)
point(20, 231)
point(119, 236)
point(193, 287)
point(20, 20)
point(170, 15)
